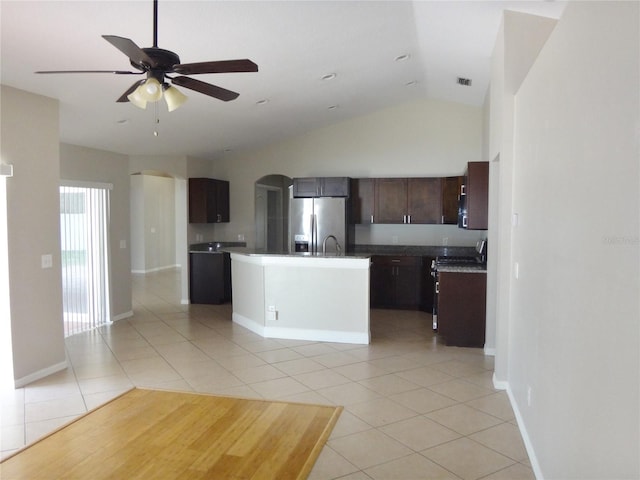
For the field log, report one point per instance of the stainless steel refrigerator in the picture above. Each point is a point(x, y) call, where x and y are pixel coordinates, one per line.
point(313, 222)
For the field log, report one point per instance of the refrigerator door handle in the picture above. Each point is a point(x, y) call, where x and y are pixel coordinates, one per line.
point(314, 234)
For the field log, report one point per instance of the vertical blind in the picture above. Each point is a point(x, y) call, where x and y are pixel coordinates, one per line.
point(84, 220)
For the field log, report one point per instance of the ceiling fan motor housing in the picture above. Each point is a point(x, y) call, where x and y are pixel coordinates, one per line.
point(164, 60)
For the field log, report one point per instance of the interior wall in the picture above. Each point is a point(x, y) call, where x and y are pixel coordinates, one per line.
point(574, 343)
point(425, 138)
point(154, 224)
point(86, 164)
point(29, 133)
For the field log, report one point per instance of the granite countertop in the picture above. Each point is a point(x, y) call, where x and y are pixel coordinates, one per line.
point(213, 247)
point(480, 268)
point(415, 250)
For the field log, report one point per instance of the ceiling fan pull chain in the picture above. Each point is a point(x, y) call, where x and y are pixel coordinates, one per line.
point(157, 119)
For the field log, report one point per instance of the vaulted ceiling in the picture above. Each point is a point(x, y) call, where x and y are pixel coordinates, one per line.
point(376, 53)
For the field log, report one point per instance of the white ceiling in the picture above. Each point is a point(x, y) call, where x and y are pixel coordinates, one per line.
point(294, 43)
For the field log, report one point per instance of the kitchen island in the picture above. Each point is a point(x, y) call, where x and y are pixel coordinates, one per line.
point(302, 296)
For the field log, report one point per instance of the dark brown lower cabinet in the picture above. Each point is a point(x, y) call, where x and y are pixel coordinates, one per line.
point(462, 308)
point(395, 282)
point(209, 278)
point(427, 285)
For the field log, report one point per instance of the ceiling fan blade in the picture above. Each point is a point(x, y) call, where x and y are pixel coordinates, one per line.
point(131, 50)
point(222, 66)
point(206, 88)
point(123, 97)
point(117, 72)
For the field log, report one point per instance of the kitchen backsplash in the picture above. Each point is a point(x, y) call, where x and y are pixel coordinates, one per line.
point(436, 235)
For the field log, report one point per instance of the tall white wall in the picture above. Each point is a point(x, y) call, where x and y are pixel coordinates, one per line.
point(574, 338)
point(29, 132)
point(87, 164)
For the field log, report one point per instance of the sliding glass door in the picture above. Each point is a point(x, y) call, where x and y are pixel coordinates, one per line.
point(84, 220)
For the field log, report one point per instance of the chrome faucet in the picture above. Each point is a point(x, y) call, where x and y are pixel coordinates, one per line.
point(324, 244)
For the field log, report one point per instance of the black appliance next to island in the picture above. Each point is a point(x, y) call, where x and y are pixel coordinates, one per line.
point(210, 272)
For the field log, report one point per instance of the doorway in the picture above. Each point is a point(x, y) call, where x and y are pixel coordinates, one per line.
point(84, 218)
point(271, 213)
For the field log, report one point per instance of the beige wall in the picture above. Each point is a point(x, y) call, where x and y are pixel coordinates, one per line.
point(29, 134)
point(573, 323)
point(90, 165)
point(425, 138)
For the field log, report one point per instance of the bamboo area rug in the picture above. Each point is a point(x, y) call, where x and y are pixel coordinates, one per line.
point(152, 434)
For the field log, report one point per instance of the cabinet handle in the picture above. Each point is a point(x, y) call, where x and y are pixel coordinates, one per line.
point(462, 189)
point(408, 218)
point(219, 217)
point(464, 221)
point(395, 260)
point(404, 219)
point(371, 218)
point(437, 287)
point(442, 219)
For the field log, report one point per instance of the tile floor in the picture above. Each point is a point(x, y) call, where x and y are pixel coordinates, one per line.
point(414, 409)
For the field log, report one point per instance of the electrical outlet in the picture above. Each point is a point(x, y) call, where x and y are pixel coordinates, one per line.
point(123, 244)
point(445, 241)
point(241, 237)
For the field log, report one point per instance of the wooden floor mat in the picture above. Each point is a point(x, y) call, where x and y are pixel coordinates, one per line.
point(151, 434)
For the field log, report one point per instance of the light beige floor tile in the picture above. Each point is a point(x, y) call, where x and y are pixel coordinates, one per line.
point(105, 384)
point(497, 405)
point(460, 391)
point(298, 366)
point(396, 363)
point(348, 424)
point(257, 374)
point(314, 349)
point(463, 419)
point(419, 433)
point(467, 459)
point(240, 362)
point(412, 467)
point(95, 400)
point(422, 400)
point(331, 465)
point(457, 368)
point(98, 370)
point(368, 448)
point(279, 355)
point(261, 345)
point(356, 476)
point(483, 379)
point(389, 384)
point(58, 407)
point(360, 370)
point(279, 387)
point(321, 379)
point(12, 437)
point(514, 472)
point(37, 430)
point(425, 376)
point(348, 394)
point(336, 359)
point(310, 396)
point(380, 412)
point(505, 439)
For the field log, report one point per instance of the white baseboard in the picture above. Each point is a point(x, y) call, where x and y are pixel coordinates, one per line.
point(302, 334)
point(185, 301)
point(490, 351)
point(535, 465)
point(45, 372)
point(122, 316)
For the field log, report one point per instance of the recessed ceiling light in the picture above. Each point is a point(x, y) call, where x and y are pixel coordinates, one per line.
point(333, 107)
point(263, 101)
point(411, 83)
point(122, 121)
point(328, 76)
point(402, 58)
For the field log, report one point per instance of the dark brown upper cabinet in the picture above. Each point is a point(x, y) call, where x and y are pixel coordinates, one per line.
point(476, 191)
point(450, 199)
point(208, 200)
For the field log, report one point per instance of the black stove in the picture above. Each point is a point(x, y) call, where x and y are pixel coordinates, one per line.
point(457, 260)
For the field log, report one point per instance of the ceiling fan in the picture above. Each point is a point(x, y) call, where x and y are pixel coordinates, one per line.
point(159, 65)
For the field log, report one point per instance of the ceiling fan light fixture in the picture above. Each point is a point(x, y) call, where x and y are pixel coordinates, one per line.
point(151, 90)
point(137, 99)
point(174, 97)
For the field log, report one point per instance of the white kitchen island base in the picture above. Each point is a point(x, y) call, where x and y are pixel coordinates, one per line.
point(302, 297)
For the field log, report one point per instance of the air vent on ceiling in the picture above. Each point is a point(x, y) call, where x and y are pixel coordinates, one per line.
point(464, 81)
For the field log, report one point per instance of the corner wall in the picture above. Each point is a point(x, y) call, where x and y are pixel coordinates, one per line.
point(29, 134)
point(574, 338)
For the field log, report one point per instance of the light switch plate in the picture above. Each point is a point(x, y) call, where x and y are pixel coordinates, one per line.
point(46, 261)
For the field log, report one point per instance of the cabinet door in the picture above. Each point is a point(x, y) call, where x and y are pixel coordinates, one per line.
point(408, 283)
point(462, 308)
point(450, 199)
point(391, 200)
point(477, 188)
point(306, 187)
point(198, 200)
point(362, 200)
point(334, 187)
point(382, 285)
point(206, 278)
point(424, 200)
point(222, 201)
